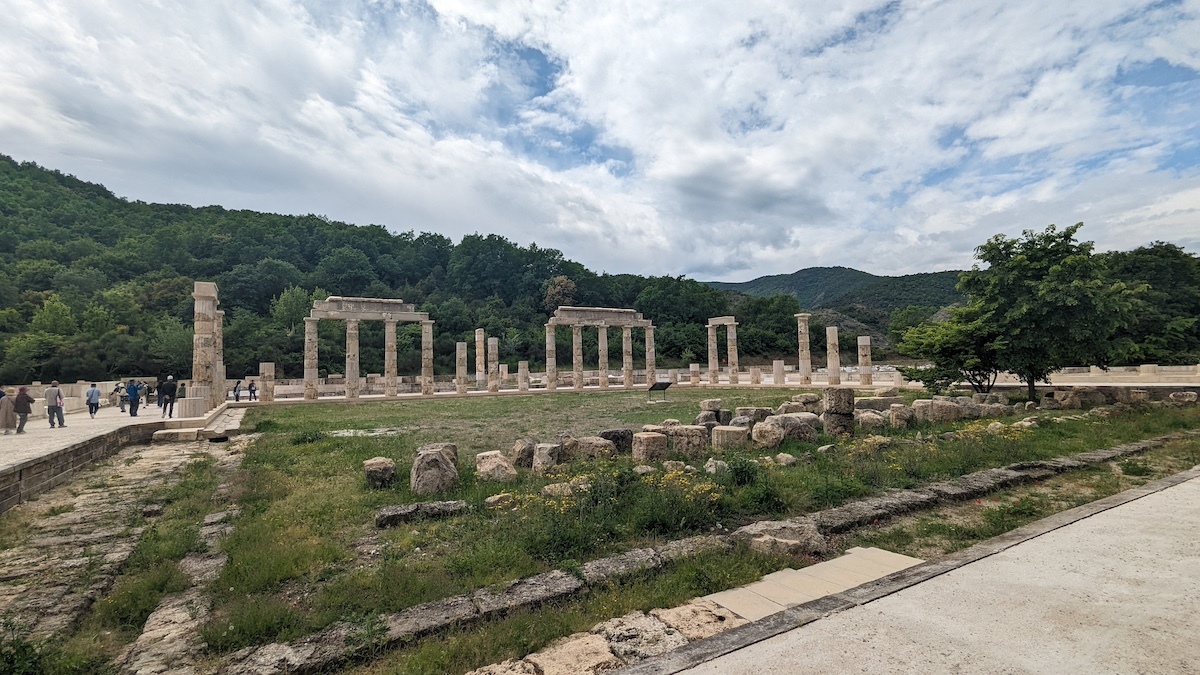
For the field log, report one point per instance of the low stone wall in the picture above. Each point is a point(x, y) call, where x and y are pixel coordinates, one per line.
point(20, 482)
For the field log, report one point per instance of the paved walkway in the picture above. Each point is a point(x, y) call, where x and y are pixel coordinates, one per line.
point(1114, 592)
point(40, 439)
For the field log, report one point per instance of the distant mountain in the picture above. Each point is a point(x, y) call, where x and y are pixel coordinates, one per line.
point(845, 288)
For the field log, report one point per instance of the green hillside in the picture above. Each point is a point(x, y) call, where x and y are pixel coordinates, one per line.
point(842, 287)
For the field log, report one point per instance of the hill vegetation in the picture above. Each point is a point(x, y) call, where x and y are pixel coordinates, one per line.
point(99, 287)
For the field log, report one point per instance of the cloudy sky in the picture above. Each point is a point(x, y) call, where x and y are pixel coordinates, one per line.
point(717, 139)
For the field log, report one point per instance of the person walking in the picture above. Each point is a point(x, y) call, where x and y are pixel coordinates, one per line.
point(134, 390)
point(93, 400)
point(237, 391)
point(23, 406)
point(54, 404)
point(8, 413)
point(252, 390)
point(158, 390)
point(166, 393)
point(120, 393)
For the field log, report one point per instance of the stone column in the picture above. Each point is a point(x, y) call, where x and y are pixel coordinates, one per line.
point(522, 376)
point(219, 390)
point(389, 357)
point(673, 376)
point(266, 382)
point(805, 366)
point(864, 360)
point(577, 355)
point(480, 359)
point(833, 357)
point(651, 360)
point(694, 374)
point(777, 376)
point(352, 379)
point(427, 358)
point(602, 348)
point(714, 364)
point(551, 365)
point(627, 356)
point(310, 358)
point(493, 364)
point(731, 347)
point(755, 375)
point(460, 367)
point(203, 345)
point(503, 375)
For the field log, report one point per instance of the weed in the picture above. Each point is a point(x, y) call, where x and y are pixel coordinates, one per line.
point(133, 598)
point(307, 437)
point(1133, 467)
point(59, 510)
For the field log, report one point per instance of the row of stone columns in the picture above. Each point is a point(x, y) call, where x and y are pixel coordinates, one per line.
point(353, 379)
point(602, 356)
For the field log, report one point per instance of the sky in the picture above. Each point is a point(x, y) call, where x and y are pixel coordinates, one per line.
point(714, 139)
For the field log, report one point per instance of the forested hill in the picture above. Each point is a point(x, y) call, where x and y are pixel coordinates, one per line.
point(844, 288)
point(96, 286)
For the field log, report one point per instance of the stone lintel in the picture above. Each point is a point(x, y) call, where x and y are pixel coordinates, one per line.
point(722, 321)
point(598, 316)
point(367, 309)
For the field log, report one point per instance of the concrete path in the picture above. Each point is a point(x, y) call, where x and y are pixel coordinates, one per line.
point(1114, 592)
point(40, 439)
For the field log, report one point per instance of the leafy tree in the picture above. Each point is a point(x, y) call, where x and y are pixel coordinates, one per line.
point(290, 308)
point(1051, 301)
point(558, 291)
point(964, 347)
point(171, 345)
point(55, 318)
point(1167, 325)
point(907, 317)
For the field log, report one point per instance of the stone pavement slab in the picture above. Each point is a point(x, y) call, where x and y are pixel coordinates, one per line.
point(1111, 592)
point(40, 439)
point(746, 604)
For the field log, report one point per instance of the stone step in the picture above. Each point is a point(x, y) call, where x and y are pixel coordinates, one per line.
point(788, 588)
point(176, 435)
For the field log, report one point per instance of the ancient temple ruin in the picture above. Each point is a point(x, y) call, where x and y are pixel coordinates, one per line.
point(352, 311)
point(601, 318)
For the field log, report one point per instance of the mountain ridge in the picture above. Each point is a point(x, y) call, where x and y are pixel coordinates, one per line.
point(845, 287)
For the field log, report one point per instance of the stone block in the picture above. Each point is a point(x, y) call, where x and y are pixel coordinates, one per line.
point(699, 619)
point(796, 426)
point(526, 592)
point(730, 437)
point(943, 412)
point(790, 407)
point(877, 403)
point(724, 416)
point(811, 419)
point(689, 440)
point(494, 466)
point(710, 404)
point(522, 453)
point(545, 457)
point(797, 536)
point(568, 448)
point(622, 439)
point(595, 447)
point(756, 414)
point(390, 516)
point(839, 401)
point(558, 490)
point(740, 421)
point(869, 419)
point(509, 667)
point(768, 435)
point(900, 416)
point(433, 471)
point(620, 565)
point(838, 424)
point(705, 417)
point(502, 500)
point(637, 636)
point(649, 447)
point(450, 450)
point(715, 466)
point(785, 459)
point(380, 472)
point(1184, 396)
point(921, 409)
point(1139, 396)
point(579, 654)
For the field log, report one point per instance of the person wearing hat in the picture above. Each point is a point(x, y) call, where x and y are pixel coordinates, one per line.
point(168, 390)
point(23, 406)
point(8, 413)
point(54, 405)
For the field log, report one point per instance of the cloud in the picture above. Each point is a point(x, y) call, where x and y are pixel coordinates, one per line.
point(721, 140)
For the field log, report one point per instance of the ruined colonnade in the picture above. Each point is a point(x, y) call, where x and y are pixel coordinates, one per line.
point(601, 318)
point(352, 311)
point(714, 366)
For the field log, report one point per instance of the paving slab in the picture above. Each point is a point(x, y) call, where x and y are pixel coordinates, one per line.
point(1111, 592)
point(746, 604)
point(802, 581)
point(781, 594)
point(899, 561)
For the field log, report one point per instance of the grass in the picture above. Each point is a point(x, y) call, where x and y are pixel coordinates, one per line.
point(294, 564)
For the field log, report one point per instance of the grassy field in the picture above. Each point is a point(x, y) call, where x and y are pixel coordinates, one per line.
point(305, 553)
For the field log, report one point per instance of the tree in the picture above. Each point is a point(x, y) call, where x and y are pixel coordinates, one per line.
point(1050, 300)
point(55, 317)
point(963, 347)
point(558, 291)
point(907, 317)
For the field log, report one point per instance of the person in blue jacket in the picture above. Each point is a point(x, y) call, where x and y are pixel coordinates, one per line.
point(134, 389)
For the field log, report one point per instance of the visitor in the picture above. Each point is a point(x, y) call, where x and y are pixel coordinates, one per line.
point(134, 390)
point(93, 400)
point(159, 391)
point(166, 394)
point(149, 393)
point(182, 390)
point(54, 404)
point(8, 413)
point(122, 396)
point(237, 391)
point(23, 406)
point(252, 390)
